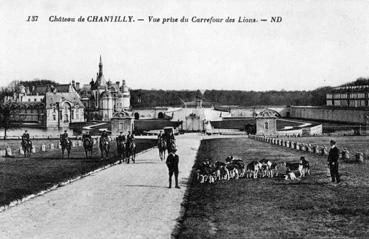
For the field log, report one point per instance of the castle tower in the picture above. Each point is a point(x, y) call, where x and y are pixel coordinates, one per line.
point(126, 96)
point(100, 79)
point(106, 105)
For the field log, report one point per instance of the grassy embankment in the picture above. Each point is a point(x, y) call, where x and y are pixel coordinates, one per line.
point(274, 208)
point(20, 177)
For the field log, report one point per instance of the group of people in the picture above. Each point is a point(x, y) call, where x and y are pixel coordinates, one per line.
point(172, 159)
point(169, 140)
point(125, 139)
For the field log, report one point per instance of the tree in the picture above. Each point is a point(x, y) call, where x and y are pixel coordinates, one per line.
point(6, 118)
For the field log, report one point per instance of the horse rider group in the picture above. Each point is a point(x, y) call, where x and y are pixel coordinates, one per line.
point(127, 140)
point(169, 140)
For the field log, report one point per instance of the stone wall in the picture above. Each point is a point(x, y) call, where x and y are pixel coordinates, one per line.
point(329, 114)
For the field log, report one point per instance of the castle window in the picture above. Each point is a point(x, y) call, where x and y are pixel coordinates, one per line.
point(266, 125)
point(77, 114)
point(72, 114)
point(54, 117)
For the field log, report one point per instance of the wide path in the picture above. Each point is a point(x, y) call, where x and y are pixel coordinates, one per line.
point(124, 201)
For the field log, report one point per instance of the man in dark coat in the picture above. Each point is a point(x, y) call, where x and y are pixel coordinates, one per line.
point(333, 162)
point(172, 163)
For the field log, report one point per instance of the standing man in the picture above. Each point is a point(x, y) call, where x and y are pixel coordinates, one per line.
point(172, 163)
point(333, 162)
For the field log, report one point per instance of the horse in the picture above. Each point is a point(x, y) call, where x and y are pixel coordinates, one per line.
point(104, 147)
point(131, 151)
point(162, 145)
point(171, 145)
point(88, 145)
point(121, 148)
point(27, 147)
point(66, 144)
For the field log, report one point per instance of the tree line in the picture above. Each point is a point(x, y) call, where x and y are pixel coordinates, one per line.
point(141, 98)
point(151, 98)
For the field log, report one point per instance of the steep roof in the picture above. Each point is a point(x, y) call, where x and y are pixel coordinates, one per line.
point(43, 89)
point(53, 98)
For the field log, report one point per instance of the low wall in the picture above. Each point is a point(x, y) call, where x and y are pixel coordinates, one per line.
point(319, 150)
point(306, 131)
point(232, 123)
point(154, 124)
point(13, 150)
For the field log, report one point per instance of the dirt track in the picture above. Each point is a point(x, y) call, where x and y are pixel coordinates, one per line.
point(125, 201)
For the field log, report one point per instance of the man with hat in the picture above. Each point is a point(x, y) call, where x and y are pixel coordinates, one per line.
point(172, 163)
point(64, 136)
point(333, 162)
point(25, 136)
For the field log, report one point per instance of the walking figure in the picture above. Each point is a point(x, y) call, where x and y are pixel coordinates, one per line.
point(172, 163)
point(333, 162)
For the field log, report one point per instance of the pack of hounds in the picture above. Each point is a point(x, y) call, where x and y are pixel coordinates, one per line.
point(235, 168)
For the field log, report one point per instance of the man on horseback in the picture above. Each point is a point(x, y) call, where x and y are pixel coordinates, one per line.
point(162, 146)
point(170, 142)
point(25, 136)
point(121, 137)
point(64, 136)
point(131, 146)
point(87, 143)
point(65, 143)
point(121, 140)
point(104, 144)
point(26, 143)
point(86, 136)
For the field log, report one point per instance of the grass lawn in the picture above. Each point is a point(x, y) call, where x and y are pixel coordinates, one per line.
point(20, 177)
point(275, 208)
point(352, 143)
point(15, 144)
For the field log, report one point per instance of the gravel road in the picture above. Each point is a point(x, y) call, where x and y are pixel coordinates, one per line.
point(124, 201)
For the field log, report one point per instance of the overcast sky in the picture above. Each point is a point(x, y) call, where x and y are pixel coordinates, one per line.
point(318, 43)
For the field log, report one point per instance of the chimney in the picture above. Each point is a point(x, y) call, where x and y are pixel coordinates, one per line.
point(73, 84)
point(77, 85)
point(117, 83)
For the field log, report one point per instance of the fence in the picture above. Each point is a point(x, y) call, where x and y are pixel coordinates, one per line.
point(12, 152)
point(320, 150)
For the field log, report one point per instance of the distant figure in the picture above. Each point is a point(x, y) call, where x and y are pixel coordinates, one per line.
point(86, 135)
point(172, 163)
point(64, 136)
point(160, 135)
point(25, 136)
point(333, 162)
point(121, 137)
point(104, 134)
point(171, 142)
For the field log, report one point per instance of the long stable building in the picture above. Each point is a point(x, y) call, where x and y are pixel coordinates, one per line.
point(349, 96)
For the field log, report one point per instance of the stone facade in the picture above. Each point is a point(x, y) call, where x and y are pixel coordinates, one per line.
point(330, 114)
point(102, 98)
point(49, 106)
point(63, 109)
point(121, 122)
point(266, 123)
